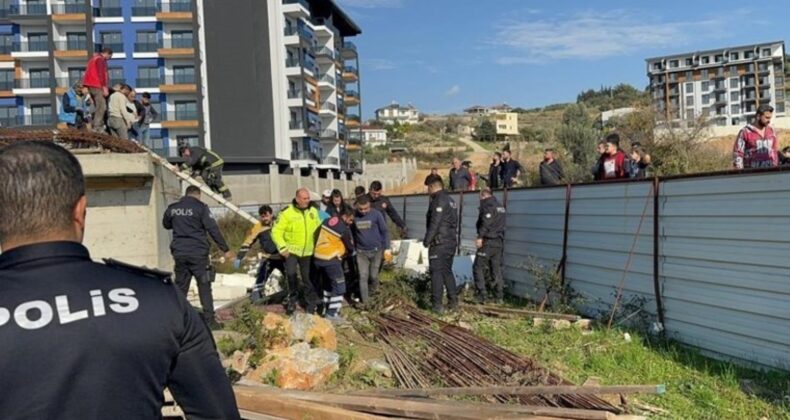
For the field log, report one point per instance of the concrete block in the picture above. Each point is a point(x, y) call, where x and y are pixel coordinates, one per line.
point(228, 292)
point(234, 280)
point(462, 269)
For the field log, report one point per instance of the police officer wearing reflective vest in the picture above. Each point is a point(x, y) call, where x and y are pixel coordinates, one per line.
point(81, 339)
point(441, 241)
point(490, 244)
point(191, 223)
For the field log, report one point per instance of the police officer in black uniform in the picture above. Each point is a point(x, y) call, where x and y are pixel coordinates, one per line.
point(190, 219)
point(490, 244)
point(383, 204)
point(85, 340)
point(441, 240)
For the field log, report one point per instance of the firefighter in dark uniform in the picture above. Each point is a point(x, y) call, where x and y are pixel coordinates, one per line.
point(490, 244)
point(191, 222)
point(441, 240)
point(207, 164)
point(261, 232)
point(81, 339)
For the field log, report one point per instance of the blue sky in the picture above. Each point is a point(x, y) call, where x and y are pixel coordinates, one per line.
point(444, 55)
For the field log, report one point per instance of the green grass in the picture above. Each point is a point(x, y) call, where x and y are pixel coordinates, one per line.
point(697, 387)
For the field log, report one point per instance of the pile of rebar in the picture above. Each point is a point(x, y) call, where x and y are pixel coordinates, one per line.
point(423, 351)
point(71, 139)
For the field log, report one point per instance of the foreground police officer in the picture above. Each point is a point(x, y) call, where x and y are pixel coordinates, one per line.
point(441, 240)
point(191, 222)
point(490, 244)
point(83, 340)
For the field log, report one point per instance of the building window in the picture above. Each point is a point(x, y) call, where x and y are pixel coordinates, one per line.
point(780, 95)
point(719, 58)
point(6, 43)
point(656, 66)
point(110, 8)
point(705, 59)
point(689, 62)
point(705, 86)
point(145, 41)
point(734, 97)
point(766, 52)
point(75, 75)
point(690, 114)
point(190, 140)
point(734, 71)
point(734, 56)
point(673, 64)
point(780, 108)
point(780, 81)
point(39, 78)
point(689, 87)
point(734, 83)
point(186, 110)
point(6, 79)
point(748, 55)
point(183, 74)
point(112, 40)
point(76, 41)
point(735, 109)
point(144, 8)
point(8, 116)
point(689, 101)
point(705, 99)
point(41, 114)
point(705, 75)
point(673, 77)
point(116, 75)
point(181, 39)
point(38, 41)
point(147, 77)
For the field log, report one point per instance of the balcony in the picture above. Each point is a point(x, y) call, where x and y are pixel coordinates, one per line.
point(26, 120)
point(351, 98)
point(146, 47)
point(179, 119)
point(116, 47)
point(296, 8)
point(305, 155)
point(179, 83)
point(349, 50)
point(292, 62)
point(144, 11)
point(324, 54)
point(324, 26)
point(327, 134)
point(27, 10)
point(304, 35)
point(172, 48)
point(147, 82)
point(74, 49)
point(64, 83)
point(107, 12)
point(352, 121)
point(62, 12)
point(179, 11)
point(350, 74)
point(328, 107)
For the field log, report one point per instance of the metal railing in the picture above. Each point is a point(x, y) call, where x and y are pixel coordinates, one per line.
point(350, 46)
point(180, 79)
point(350, 69)
point(144, 10)
point(146, 47)
point(27, 10)
point(6, 85)
point(294, 94)
point(6, 49)
point(178, 6)
point(328, 79)
point(34, 83)
point(293, 62)
point(324, 52)
point(107, 12)
point(73, 45)
point(67, 82)
point(30, 46)
point(116, 47)
point(147, 82)
point(178, 43)
point(302, 2)
point(327, 134)
point(329, 106)
point(68, 8)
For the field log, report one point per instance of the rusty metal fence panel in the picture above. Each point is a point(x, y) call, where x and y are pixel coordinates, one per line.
point(603, 226)
point(725, 243)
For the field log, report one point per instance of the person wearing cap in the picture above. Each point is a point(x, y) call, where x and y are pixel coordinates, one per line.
point(757, 145)
point(326, 201)
point(207, 164)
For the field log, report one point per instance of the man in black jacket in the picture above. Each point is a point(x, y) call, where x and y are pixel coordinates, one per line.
point(271, 259)
point(441, 240)
point(207, 164)
point(494, 180)
point(490, 244)
point(191, 223)
point(550, 170)
point(381, 203)
point(460, 178)
point(106, 339)
point(511, 170)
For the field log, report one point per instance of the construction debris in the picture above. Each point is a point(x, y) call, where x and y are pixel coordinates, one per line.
point(71, 139)
point(296, 367)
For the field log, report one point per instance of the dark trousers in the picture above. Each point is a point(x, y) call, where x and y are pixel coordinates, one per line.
point(212, 176)
point(334, 284)
point(265, 270)
point(369, 265)
point(297, 270)
point(440, 266)
point(489, 260)
point(100, 102)
point(197, 267)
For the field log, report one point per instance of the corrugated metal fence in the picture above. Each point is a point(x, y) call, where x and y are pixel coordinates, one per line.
point(717, 274)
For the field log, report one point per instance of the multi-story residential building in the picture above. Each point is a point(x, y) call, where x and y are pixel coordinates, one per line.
point(725, 85)
point(45, 44)
point(282, 85)
point(506, 124)
point(402, 114)
point(486, 110)
point(374, 136)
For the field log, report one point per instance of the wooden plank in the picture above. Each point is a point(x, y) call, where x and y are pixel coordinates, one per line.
point(256, 400)
point(516, 390)
point(250, 415)
point(435, 409)
point(534, 314)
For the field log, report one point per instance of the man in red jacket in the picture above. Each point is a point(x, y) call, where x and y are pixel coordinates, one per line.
point(757, 145)
point(613, 161)
point(97, 82)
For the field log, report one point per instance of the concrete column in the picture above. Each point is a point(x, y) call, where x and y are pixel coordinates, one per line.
point(404, 169)
point(316, 181)
point(274, 184)
point(331, 176)
point(364, 164)
point(344, 184)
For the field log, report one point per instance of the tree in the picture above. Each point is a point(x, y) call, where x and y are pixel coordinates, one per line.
point(486, 131)
point(579, 137)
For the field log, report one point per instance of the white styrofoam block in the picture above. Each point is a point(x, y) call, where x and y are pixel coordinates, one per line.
point(462, 269)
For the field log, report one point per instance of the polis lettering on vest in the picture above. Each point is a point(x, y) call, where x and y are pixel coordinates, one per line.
point(181, 212)
point(38, 314)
